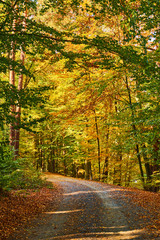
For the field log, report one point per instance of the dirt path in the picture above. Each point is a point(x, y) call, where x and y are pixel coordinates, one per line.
point(86, 211)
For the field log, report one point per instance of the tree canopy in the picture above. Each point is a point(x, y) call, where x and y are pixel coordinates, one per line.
point(80, 89)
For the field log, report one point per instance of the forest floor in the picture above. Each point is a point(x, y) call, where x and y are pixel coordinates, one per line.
point(19, 207)
point(137, 209)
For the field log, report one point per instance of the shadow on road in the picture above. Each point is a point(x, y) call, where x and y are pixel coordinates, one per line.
point(87, 211)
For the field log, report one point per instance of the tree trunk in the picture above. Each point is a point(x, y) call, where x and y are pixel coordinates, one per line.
point(57, 156)
point(51, 161)
point(36, 146)
point(106, 163)
point(20, 86)
point(156, 164)
point(88, 171)
point(147, 165)
point(98, 146)
point(64, 159)
point(135, 131)
point(12, 82)
point(18, 110)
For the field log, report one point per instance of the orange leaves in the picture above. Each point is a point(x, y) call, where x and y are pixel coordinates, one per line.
point(149, 201)
point(19, 207)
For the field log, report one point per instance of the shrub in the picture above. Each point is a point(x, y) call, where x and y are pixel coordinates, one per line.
point(17, 174)
point(25, 179)
point(7, 166)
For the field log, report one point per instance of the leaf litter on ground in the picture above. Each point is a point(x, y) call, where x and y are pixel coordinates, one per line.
point(18, 207)
point(144, 204)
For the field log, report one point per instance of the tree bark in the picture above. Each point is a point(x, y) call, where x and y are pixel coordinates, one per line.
point(18, 109)
point(12, 82)
point(88, 170)
point(20, 86)
point(51, 160)
point(98, 146)
point(106, 163)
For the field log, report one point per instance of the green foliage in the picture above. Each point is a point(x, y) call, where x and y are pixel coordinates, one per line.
point(7, 166)
point(16, 174)
point(25, 179)
point(110, 65)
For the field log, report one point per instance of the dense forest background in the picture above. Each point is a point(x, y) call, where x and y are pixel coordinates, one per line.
point(79, 91)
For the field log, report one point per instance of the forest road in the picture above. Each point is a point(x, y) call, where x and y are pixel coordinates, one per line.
point(86, 211)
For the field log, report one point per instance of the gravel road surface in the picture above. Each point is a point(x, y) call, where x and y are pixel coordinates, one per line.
point(86, 211)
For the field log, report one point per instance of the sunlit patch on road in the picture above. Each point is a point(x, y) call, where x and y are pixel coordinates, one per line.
point(86, 211)
point(63, 212)
point(122, 235)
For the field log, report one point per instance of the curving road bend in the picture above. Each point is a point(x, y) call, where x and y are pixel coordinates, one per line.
point(86, 211)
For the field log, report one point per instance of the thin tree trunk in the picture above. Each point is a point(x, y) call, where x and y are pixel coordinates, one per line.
point(53, 159)
point(41, 153)
point(98, 146)
point(12, 82)
point(88, 170)
point(57, 157)
point(125, 176)
point(20, 86)
point(119, 157)
point(50, 159)
point(105, 168)
point(18, 110)
point(135, 131)
point(64, 159)
point(156, 163)
point(147, 165)
point(36, 146)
